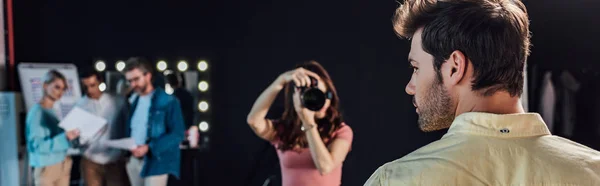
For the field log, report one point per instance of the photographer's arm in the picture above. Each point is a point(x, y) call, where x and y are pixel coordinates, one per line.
point(256, 118)
point(326, 159)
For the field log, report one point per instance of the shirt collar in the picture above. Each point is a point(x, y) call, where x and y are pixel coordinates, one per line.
point(149, 95)
point(499, 125)
point(103, 97)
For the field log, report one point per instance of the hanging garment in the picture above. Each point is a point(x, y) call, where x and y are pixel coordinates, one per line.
point(547, 100)
point(568, 113)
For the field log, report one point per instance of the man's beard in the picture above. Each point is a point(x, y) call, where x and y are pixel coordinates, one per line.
point(435, 111)
point(141, 89)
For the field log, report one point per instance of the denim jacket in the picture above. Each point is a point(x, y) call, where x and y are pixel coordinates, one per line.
point(165, 133)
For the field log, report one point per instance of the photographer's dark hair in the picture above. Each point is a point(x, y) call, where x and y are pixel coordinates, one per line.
point(288, 127)
point(89, 72)
point(493, 34)
point(137, 63)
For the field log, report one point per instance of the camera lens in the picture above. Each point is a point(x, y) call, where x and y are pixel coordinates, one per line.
point(313, 99)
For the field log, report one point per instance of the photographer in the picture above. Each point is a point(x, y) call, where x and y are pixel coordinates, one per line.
point(311, 139)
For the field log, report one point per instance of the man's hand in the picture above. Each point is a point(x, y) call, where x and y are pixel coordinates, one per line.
point(140, 151)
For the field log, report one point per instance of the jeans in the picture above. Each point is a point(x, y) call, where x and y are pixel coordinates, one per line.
point(134, 168)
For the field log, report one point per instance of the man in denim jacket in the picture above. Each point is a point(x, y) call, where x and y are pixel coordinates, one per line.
point(156, 125)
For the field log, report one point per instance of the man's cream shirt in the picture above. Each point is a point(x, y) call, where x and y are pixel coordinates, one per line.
point(491, 149)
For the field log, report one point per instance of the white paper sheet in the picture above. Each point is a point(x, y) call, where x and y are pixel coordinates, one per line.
point(125, 143)
point(87, 123)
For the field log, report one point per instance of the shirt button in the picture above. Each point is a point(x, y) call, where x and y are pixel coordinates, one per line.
point(504, 130)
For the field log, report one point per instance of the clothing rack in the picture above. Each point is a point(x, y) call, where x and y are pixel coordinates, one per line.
point(588, 69)
point(572, 104)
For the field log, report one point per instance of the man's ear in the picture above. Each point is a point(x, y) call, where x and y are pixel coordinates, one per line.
point(149, 75)
point(456, 66)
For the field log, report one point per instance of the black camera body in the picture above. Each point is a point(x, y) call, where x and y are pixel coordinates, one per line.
point(312, 97)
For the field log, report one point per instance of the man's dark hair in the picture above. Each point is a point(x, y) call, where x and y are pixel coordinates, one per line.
point(137, 63)
point(88, 72)
point(493, 34)
point(173, 79)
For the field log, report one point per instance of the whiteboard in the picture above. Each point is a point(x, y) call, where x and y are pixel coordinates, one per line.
point(31, 77)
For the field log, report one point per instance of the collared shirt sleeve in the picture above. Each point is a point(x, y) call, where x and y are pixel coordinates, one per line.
point(378, 178)
point(423, 171)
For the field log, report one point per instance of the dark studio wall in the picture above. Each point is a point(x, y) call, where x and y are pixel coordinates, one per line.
point(249, 43)
point(565, 39)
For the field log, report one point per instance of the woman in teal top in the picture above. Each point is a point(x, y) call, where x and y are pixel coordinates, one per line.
point(47, 143)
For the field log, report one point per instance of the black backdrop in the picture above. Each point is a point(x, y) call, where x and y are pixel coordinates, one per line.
point(248, 43)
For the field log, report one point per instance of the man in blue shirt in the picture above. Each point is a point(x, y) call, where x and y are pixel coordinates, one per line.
point(156, 126)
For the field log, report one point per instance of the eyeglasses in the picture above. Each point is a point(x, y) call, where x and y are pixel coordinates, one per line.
point(129, 81)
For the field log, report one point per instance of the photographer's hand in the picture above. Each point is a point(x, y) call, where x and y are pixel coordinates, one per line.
point(306, 116)
point(300, 76)
point(325, 157)
point(256, 119)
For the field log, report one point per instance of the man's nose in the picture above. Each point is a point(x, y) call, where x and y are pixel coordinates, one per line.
point(410, 88)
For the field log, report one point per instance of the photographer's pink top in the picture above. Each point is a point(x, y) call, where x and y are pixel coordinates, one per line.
point(298, 168)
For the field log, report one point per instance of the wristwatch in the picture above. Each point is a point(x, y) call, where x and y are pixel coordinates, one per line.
point(305, 129)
